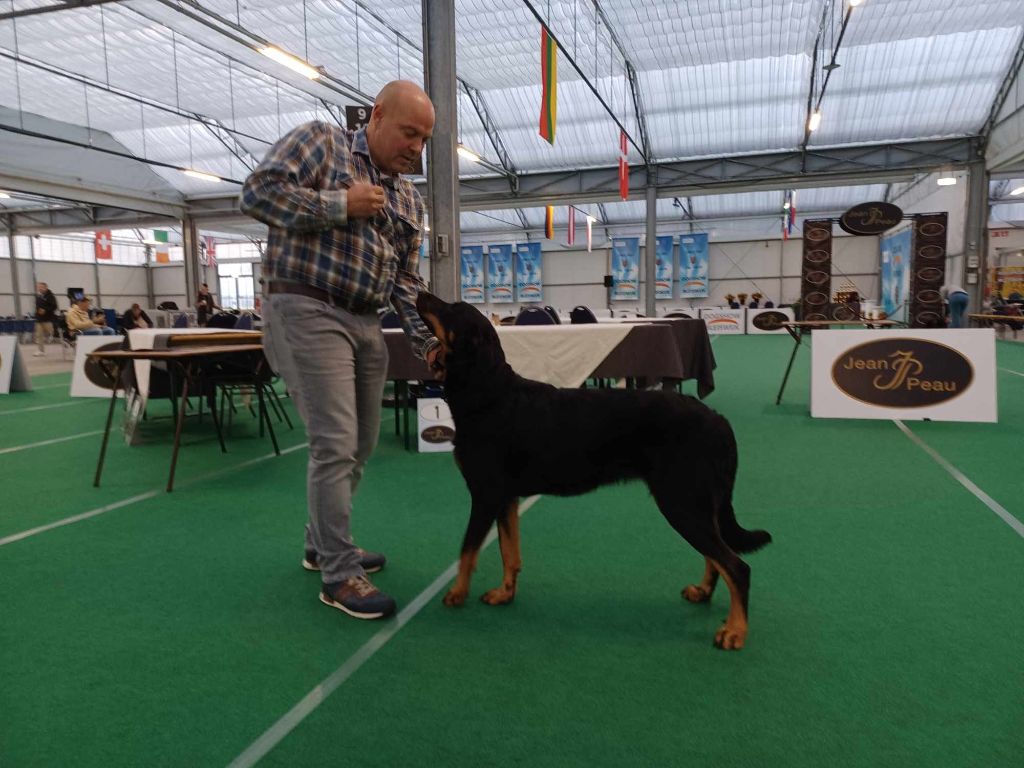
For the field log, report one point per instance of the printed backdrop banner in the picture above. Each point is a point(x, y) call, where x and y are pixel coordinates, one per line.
point(693, 266)
point(473, 274)
point(626, 268)
point(664, 267)
point(895, 264)
point(499, 274)
point(529, 280)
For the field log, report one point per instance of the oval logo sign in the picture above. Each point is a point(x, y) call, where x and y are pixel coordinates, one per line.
point(902, 373)
point(816, 298)
point(870, 218)
point(770, 321)
point(95, 372)
point(817, 234)
point(438, 434)
point(932, 229)
point(931, 252)
point(930, 274)
point(817, 257)
point(817, 277)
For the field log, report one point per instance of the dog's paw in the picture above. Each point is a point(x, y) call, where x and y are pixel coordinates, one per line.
point(696, 593)
point(498, 596)
point(730, 638)
point(454, 598)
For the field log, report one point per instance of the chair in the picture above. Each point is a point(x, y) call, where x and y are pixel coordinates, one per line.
point(222, 320)
point(554, 315)
point(679, 313)
point(581, 315)
point(244, 322)
point(533, 316)
point(181, 321)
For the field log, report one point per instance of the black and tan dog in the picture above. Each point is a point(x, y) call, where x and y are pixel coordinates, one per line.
point(515, 437)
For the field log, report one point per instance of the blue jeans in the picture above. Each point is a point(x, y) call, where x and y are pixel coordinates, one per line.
point(957, 307)
point(335, 366)
point(102, 331)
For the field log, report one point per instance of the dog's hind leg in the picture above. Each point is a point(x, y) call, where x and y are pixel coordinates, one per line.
point(480, 520)
point(701, 593)
point(693, 517)
point(508, 539)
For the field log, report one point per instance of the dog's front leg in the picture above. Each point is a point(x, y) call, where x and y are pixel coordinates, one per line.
point(480, 520)
point(508, 538)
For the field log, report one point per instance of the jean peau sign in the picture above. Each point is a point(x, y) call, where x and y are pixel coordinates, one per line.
point(943, 375)
point(871, 218)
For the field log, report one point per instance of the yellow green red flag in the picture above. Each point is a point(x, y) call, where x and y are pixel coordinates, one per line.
point(549, 79)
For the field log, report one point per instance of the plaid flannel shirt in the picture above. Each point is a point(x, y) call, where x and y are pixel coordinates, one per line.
point(299, 191)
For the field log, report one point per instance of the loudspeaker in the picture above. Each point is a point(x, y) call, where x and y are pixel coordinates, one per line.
point(816, 270)
point(608, 281)
point(928, 271)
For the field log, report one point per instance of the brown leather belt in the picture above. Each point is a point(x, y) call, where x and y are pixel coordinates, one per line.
point(335, 300)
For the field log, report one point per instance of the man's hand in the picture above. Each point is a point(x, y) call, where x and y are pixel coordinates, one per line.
point(433, 364)
point(364, 200)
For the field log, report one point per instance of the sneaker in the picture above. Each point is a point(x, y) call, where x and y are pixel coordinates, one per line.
point(38, 354)
point(371, 561)
point(357, 597)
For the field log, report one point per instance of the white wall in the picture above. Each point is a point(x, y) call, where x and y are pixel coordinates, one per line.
point(929, 197)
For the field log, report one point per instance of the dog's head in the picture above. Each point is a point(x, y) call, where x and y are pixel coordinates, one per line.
point(470, 348)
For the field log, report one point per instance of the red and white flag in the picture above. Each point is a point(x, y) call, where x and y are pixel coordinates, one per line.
point(104, 246)
point(571, 239)
point(623, 167)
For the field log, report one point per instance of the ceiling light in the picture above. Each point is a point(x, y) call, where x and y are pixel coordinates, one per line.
point(200, 175)
point(590, 219)
point(814, 121)
point(946, 181)
point(785, 206)
point(855, 3)
point(293, 63)
point(1017, 191)
point(4, 195)
point(468, 154)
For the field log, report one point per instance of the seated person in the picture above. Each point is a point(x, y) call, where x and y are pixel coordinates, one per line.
point(79, 320)
point(135, 318)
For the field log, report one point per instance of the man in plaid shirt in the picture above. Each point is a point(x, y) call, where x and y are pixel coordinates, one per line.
point(345, 232)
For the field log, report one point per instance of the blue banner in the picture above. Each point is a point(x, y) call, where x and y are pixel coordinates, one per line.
point(895, 266)
point(529, 281)
point(473, 274)
point(663, 268)
point(625, 268)
point(499, 274)
point(693, 266)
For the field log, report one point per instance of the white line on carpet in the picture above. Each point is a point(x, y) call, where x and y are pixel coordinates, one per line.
point(985, 499)
point(141, 497)
point(276, 733)
point(53, 405)
point(41, 443)
point(1015, 373)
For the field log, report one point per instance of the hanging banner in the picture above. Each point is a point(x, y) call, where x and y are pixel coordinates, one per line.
point(693, 266)
point(472, 272)
point(663, 268)
point(499, 274)
point(103, 247)
point(625, 268)
point(162, 250)
point(895, 264)
point(529, 280)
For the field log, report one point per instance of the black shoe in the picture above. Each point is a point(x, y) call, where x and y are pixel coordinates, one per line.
point(357, 597)
point(371, 561)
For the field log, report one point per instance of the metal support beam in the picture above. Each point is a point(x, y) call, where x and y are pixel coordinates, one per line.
point(651, 252)
point(65, 6)
point(634, 83)
point(975, 248)
point(190, 248)
point(442, 162)
point(15, 287)
point(1012, 73)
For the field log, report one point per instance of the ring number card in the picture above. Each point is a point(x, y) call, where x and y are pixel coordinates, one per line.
point(434, 425)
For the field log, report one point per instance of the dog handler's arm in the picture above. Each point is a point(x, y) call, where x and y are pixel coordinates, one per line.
point(408, 285)
point(284, 190)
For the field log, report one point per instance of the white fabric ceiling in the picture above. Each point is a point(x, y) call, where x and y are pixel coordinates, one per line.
point(716, 77)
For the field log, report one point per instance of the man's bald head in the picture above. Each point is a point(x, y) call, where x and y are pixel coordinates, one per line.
point(401, 121)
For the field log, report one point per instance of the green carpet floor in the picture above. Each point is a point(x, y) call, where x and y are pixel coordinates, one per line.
point(173, 630)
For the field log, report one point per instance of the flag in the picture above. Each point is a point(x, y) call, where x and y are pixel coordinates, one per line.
point(103, 246)
point(590, 227)
point(211, 251)
point(792, 212)
point(163, 253)
point(549, 81)
point(571, 238)
point(623, 167)
point(549, 222)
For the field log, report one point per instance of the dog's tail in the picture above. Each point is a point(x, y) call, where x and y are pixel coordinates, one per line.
point(739, 539)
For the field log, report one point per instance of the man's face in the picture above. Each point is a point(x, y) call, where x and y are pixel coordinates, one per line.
point(84, 304)
point(41, 287)
point(400, 131)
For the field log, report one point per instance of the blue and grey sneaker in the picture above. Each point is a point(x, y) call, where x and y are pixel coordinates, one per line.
point(371, 561)
point(357, 597)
